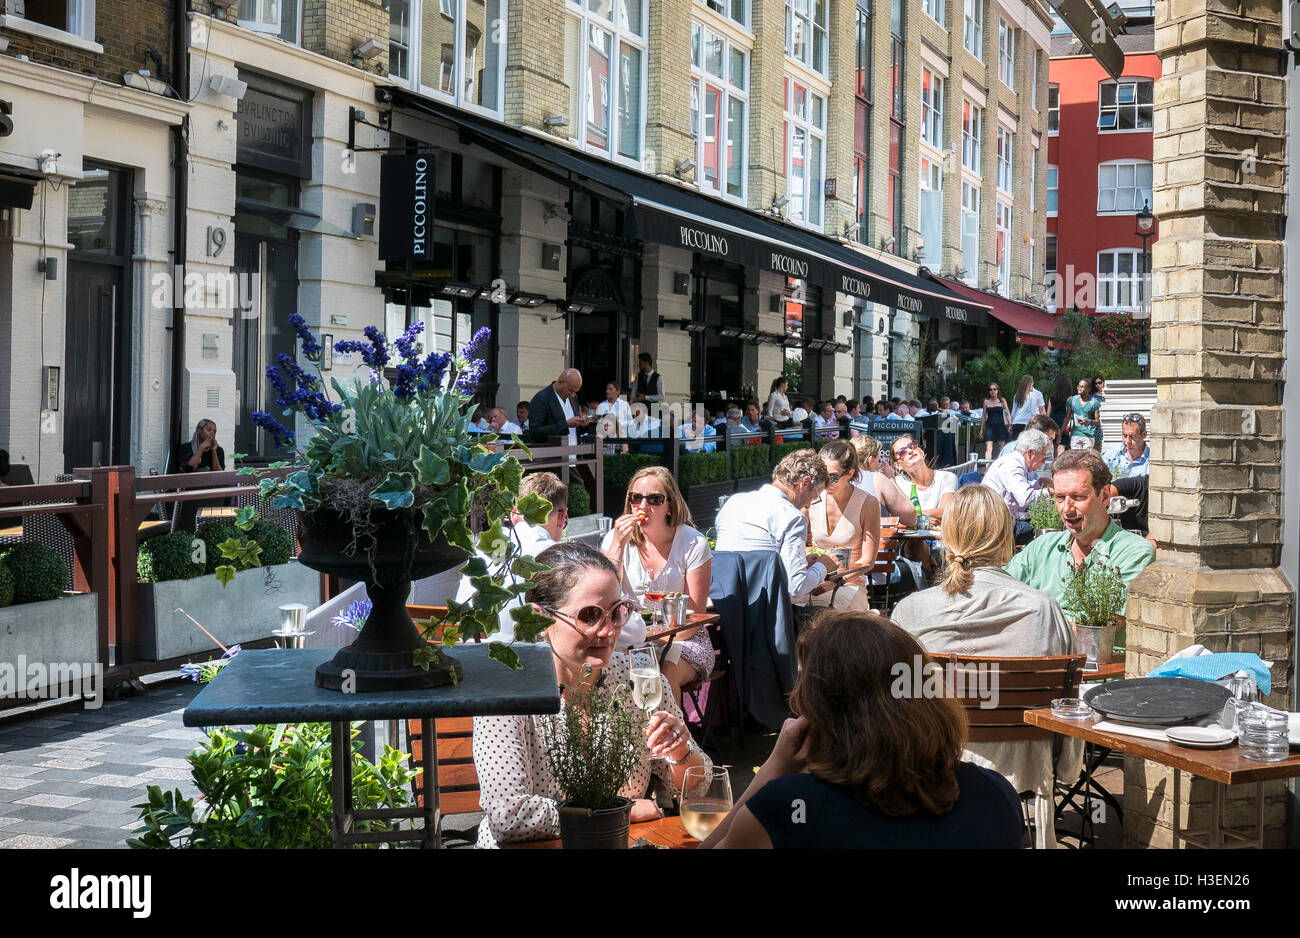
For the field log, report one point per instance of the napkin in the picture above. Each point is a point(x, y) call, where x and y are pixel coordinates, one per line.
point(1214, 667)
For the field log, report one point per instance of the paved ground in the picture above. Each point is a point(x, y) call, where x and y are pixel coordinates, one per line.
point(70, 778)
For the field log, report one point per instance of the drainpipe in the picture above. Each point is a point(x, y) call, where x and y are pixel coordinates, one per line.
point(180, 188)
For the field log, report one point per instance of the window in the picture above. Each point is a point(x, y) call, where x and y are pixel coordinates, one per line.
point(1007, 55)
point(805, 143)
point(1033, 81)
point(973, 37)
point(861, 196)
point(1033, 180)
point(1125, 105)
point(448, 48)
point(737, 10)
point(931, 109)
point(930, 222)
point(1003, 245)
point(864, 49)
point(719, 118)
point(1053, 109)
point(604, 58)
point(896, 185)
point(1119, 280)
point(934, 9)
point(1004, 159)
point(1049, 259)
point(970, 232)
point(805, 32)
point(277, 17)
point(1052, 191)
point(896, 49)
point(972, 131)
point(1050, 278)
point(1123, 186)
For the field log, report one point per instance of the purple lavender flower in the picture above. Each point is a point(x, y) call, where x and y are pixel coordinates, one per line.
point(282, 435)
point(353, 617)
point(232, 651)
point(469, 377)
point(477, 345)
point(241, 748)
point(310, 347)
point(404, 386)
point(434, 370)
point(406, 344)
point(191, 671)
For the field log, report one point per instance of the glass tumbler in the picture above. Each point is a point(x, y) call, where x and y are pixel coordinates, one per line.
point(1263, 734)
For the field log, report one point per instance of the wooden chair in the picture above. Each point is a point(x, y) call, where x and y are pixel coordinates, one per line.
point(718, 674)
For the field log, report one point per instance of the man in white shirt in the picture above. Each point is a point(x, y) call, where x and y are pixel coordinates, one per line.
point(532, 540)
point(771, 518)
point(1013, 477)
point(648, 388)
point(501, 425)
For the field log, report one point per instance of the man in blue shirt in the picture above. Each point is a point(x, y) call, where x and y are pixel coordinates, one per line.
point(1134, 457)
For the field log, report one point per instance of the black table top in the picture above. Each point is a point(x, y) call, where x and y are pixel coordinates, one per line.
point(278, 686)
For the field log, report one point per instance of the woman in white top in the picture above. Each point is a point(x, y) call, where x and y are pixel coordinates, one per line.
point(1027, 403)
point(654, 547)
point(519, 794)
point(778, 405)
point(844, 517)
point(877, 479)
point(980, 609)
point(934, 487)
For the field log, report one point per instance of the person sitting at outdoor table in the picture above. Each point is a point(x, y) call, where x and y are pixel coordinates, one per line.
point(1083, 415)
point(1013, 477)
point(699, 433)
point(876, 478)
point(501, 425)
point(531, 540)
point(1079, 484)
point(200, 454)
point(519, 795)
point(655, 546)
point(845, 517)
point(1133, 458)
point(644, 427)
point(882, 410)
point(872, 768)
point(933, 486)
point(771, 518)
point(980, 609)
point(1050, 428)
point(778, 405)
point(753, 421)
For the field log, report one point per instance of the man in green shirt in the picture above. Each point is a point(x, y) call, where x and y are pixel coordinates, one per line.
point(1079, 480)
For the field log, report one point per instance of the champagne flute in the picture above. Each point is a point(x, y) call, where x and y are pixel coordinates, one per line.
point(647, 682)
point(706, 799)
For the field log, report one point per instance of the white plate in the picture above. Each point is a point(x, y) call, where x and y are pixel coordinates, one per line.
point(1201, 737)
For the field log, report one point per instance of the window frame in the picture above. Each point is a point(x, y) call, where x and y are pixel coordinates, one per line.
point(1002, 259)
point(971, 142)
point(258, 25)
point(1006, 160)
point(726, 14)
point(1137, 188)
point(864, 34)
point(611, 91)
point(932, 108)
point(973, 24)
point(933, 253)
point(1111, 281)
point(1115, 110)
point(725, 86)
point(793, 120)
point(810, 43)
point(1053, 191)
point(1053, 110)
point(970, 209)
point(418, 82)
point(1007, 54)
point(930, 7)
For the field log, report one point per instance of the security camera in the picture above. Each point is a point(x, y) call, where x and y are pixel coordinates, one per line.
point(48, 162)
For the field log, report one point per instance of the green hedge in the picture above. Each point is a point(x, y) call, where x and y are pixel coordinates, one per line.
point(39, 573)
point(749, 461)
point(579, 498)
point(782, 450)
point(6, 585)
point(702, 468)
point(620, 467)
point(276, 544)
point(169, 557)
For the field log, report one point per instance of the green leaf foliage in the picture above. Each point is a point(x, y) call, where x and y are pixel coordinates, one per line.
point(245, 517)
point(6, 585)
point(579, 498)
point(534, 508)
point(499, 651)
point(529, 623)
point(396, 491)
point(620, 467)
point(1094, 592)
point(1043, 514)
point(168, 557)
point(594, 744)
point(224, 574)
point(39, 573)
point(702, 469)
point(750, 461)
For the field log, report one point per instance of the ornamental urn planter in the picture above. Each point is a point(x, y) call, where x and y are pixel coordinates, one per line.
point(387, 558)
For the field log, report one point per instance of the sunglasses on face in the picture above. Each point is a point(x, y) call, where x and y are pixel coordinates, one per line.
point(654, 498)
point(588, 619)
point(835, 477)
point(899, 454)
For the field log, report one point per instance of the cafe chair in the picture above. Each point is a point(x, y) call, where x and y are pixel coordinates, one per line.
point(1021, 684)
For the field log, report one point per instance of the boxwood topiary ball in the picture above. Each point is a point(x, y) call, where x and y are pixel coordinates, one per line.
point(214, 534)
point(6, 585)
point(169, 557)
point(38, 571)
point(277, 545)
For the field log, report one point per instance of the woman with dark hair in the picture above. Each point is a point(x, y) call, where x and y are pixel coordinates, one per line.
point(846, 517)
point(778, 405)
point(995, 419)
point(872, 764)
point(520, 796)
point(1099, 395)
point(1028, 403)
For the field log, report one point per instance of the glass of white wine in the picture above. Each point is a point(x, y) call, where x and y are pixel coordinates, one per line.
point(647, 682)
point(706, 799)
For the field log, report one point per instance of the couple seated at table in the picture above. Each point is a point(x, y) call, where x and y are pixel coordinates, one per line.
point(864, 783)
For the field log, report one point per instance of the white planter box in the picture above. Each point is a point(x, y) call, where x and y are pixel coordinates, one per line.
point(60, 631)
point(242, 611)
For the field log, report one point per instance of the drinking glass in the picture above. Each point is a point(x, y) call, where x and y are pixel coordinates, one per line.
point(654, 594)
point(647, 682)
point(1263, 734)
point(706, 799)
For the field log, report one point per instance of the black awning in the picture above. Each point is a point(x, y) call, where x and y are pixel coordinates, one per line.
point(669, 214)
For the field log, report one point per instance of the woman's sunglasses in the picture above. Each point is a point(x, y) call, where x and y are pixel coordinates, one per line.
point(835, 477)
point(903, 451)
point(587, 620)
point(654, 498)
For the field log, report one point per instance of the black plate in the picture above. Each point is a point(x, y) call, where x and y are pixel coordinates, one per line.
point(1158, 700)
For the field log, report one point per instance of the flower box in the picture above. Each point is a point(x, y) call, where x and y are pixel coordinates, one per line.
point(245, 610)
point(58, 631)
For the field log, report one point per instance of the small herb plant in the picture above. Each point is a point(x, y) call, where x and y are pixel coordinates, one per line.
point(594, 744)
point(1043, 514)
point(1094, 593)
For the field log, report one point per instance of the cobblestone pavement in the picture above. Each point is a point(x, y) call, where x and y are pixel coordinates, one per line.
point(69, 779)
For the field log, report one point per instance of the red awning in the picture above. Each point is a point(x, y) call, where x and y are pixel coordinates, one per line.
point(1033, 326)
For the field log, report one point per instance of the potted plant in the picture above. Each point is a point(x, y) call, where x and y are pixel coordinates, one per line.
point(593, 747)
point(40, 619)
point(171, 571)
point(1044, 516)
point(1094, 602)
point(385, 490)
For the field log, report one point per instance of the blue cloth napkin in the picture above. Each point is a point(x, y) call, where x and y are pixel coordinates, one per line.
point(1216, 667)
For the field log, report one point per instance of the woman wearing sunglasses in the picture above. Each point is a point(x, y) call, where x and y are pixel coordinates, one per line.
point(654, 548)
point(846, 516)
point(934, 487)
point(995, 420)
point(520, 796)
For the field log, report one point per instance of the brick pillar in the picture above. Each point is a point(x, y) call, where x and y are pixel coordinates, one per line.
point(1217, 355)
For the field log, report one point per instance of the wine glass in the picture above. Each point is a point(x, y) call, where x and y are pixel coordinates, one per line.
point(654, 595)
point(706, 799)
point(647, 682)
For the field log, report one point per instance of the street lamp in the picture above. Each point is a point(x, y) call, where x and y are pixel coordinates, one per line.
point(1146, 223)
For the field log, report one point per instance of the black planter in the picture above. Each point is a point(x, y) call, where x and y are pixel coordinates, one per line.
point(702, 500)
point(601, 829)
point(381, 658)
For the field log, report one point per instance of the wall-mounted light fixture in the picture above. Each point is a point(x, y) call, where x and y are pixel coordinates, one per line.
point(368, 50)
point(550, 256)
point(363, 218)
point(228, 86)
point(681, 283)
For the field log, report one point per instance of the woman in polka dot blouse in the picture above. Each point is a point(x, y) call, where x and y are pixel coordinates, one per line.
point(519, 795)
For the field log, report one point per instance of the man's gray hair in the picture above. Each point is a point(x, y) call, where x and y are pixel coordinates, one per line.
point(1033, 441)
point(733, 413)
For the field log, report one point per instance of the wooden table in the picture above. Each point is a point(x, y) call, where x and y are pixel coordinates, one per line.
point(665, 832)
point(1104, 672)
point(694, 620)
point(1224, 767)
